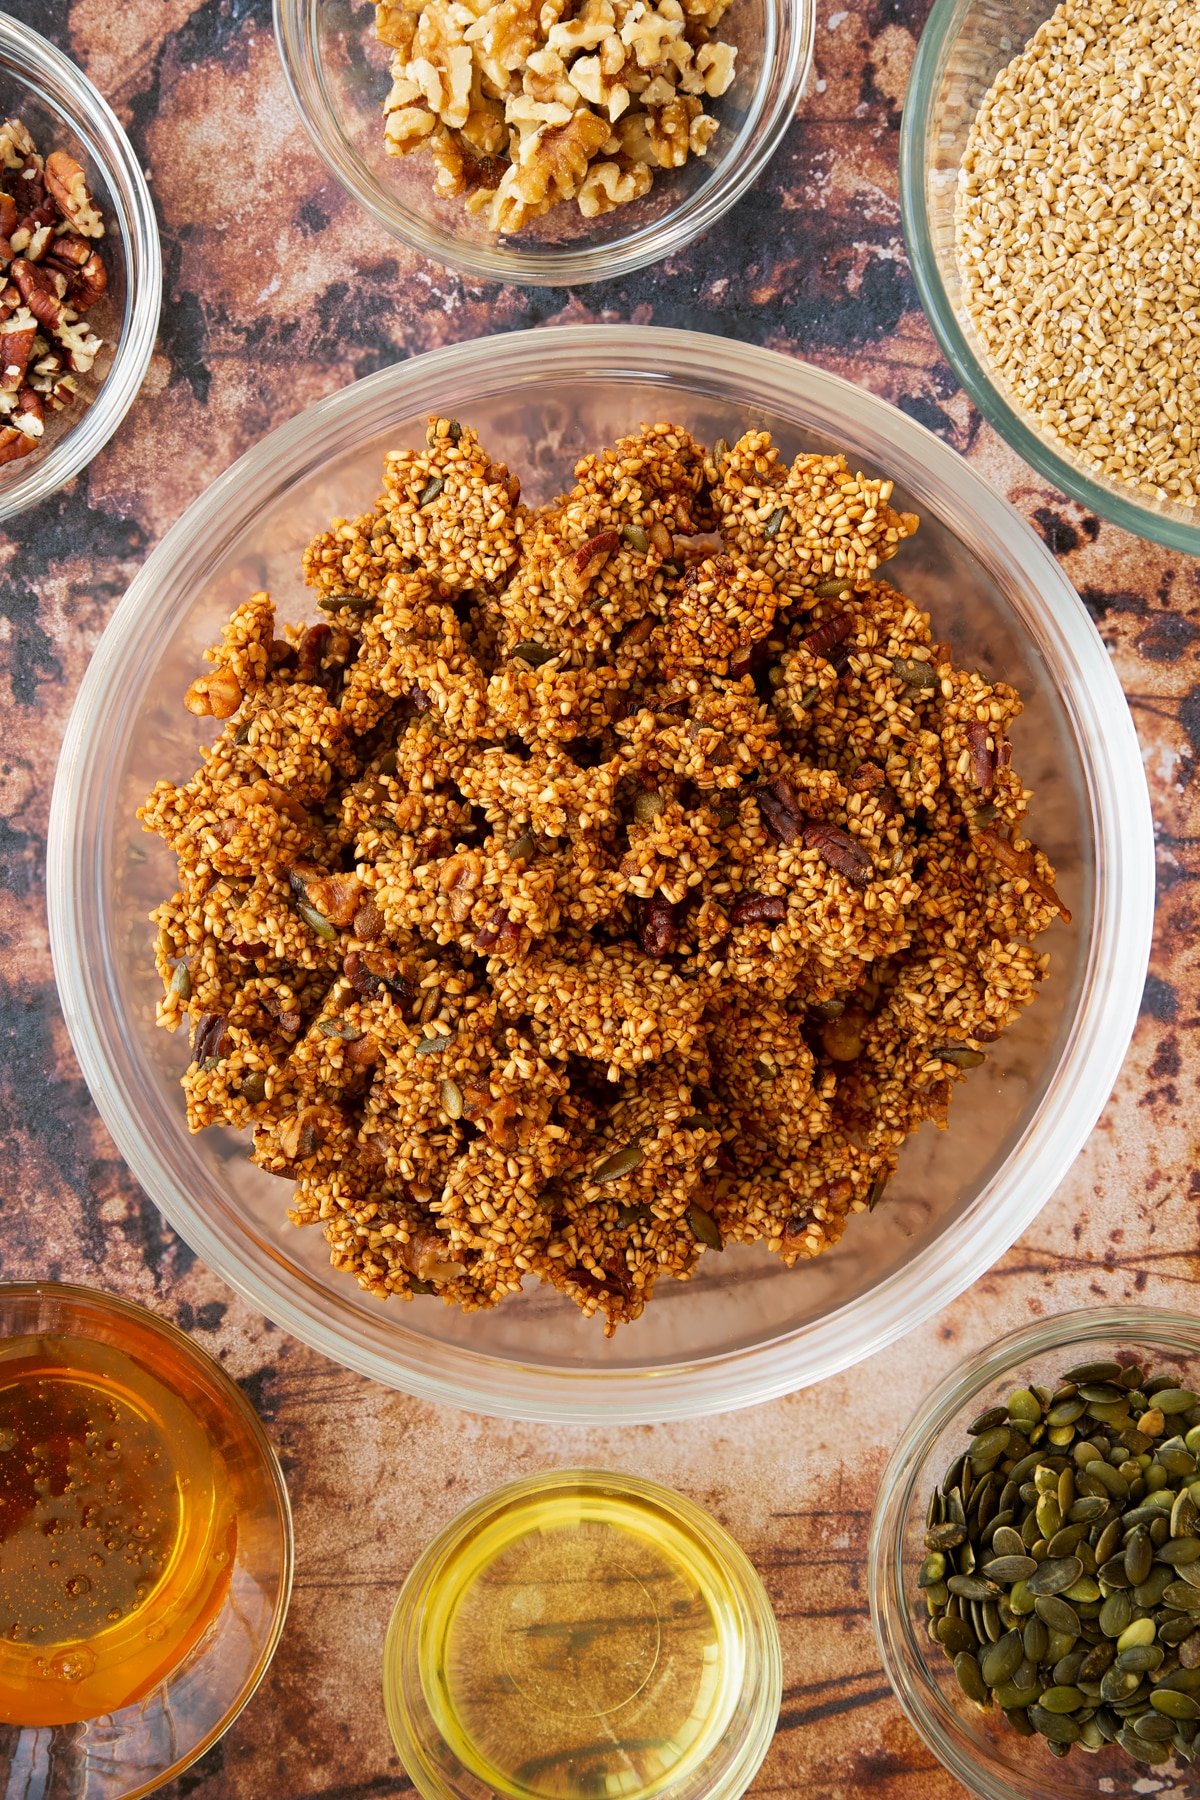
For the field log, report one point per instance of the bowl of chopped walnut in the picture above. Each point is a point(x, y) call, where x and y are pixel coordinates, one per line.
point(80, 270)
point(593, 847)
point(553, 143)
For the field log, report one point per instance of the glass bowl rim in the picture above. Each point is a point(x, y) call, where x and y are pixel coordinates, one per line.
point(734, 1562)
point(102, 1301)
point(918, 121)
point(1132, 1325)
point(570, 265)
point(35, 61)
point(1122, 834)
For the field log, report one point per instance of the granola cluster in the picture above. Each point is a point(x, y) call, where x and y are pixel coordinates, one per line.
point(524, 104)
point(601, 883)
point(51, 274)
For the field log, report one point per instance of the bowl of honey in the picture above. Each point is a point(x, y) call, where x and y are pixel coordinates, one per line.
point(145, 1546)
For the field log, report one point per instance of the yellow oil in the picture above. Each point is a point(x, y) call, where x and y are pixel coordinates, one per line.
point(581, 1644)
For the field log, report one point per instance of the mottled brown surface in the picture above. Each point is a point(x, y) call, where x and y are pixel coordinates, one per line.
point(261, 318)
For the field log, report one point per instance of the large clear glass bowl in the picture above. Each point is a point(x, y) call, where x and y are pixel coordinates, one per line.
point(963, 47)
point(63, 111)
point(979, 1747)
point(745, 1329)
point(338, 75)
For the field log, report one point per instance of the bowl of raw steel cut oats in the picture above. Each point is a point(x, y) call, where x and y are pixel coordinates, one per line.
point(612, 888)
point(1049, 172)
point(537, 143)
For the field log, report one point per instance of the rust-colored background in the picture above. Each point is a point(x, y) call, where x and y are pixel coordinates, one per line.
point(278, 291)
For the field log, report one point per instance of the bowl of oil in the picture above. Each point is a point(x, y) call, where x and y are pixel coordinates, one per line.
point(581, 1635)
point(145, 1547)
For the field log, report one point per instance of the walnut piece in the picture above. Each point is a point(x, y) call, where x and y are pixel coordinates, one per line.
point(523, 109)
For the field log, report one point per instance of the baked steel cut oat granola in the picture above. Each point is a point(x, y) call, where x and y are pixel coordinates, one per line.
point(599, 883)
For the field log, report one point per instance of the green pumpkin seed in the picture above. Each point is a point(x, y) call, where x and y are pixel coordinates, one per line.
point(522, 848)
point(1142, 1658)
point(990, 1445)
point(536, 655)
point(1116, 1614)
point(452, 1099)
point(1056, 1728)
point(1062, 1699)
point(1009, 1568)
point(431, 490)
point(1058, 1614)
point(1001, 1660)
point(1175, 1400)
point(1180, 1552)
point(945, 1537)
point(1139, 1555)
point(1055, 1575)
point(648, 807)
point(914, 673)
point(1153, 1728)
point(431, 1046)
point(1174, 1705)
point(831, 589)
point(771, 528)
point(705, 1229)
point(181, 982)
point(958, 1056)
point(970, 1680)
point(254, 1088)
point(636, 538)
point(1035, 1639)
point(1094, 1371)
point(1141, 1749)
point(955, 1635)
point(621, 1162)
point(1181, 1596)
point(1007, 1542)
point(319, 923)
point(355, 603)
point(973, 1587)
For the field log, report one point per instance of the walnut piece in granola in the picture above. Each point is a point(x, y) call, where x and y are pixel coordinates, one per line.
point(598, 883)
point(526, 105)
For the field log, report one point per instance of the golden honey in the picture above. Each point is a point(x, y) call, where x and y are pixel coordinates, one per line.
point(117, 1527)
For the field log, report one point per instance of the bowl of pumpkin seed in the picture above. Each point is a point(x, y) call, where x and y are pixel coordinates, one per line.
point(1034, 1562)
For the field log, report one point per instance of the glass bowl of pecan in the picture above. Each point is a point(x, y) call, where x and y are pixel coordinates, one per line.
point(547, 144)
point(80, 270)
point(747, 1323)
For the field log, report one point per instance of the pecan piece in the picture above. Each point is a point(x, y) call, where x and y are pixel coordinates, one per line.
point(426, 1255)
point(284, 1012)
point(759, 909)
point(16, 347)
point(657, 927)
point(89, 284)
point(67, 185)
point(581, 568)
point(211, 1040)
point(834, 631)
point(779, 808)
point(496, 1115)
point(983, 755)
point(300, 1135)
point(499, 933)
point(1022, 863)
point(68, 253)
point(837, 848)
point(14, 444)
point(30, 416)
point(38, 288)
